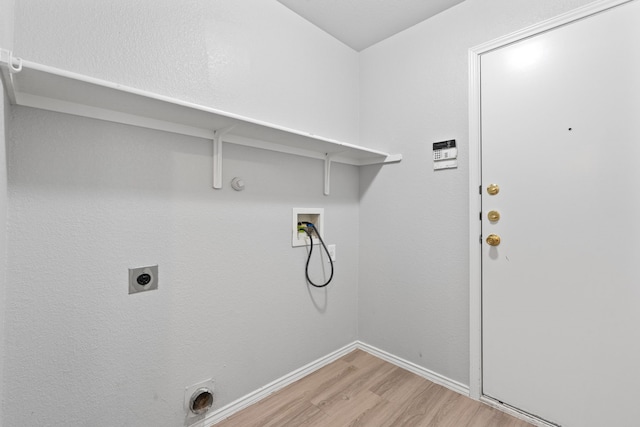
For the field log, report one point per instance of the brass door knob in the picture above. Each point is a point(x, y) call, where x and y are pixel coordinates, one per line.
point(493, 216)
point(493, 240)
point(493, 189)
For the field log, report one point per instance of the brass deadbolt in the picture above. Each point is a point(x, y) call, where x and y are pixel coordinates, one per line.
point(493, 216)
point(493, 240)
point(493, 189)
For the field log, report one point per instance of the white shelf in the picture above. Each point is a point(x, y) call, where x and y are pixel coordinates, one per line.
point(35, 85)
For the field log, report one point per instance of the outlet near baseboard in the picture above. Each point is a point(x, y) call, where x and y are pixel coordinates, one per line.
point(312, 215)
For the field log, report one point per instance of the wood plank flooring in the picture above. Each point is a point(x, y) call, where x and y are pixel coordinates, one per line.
point(361, 390)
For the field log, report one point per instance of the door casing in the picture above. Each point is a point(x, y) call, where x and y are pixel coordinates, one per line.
point(475, 182)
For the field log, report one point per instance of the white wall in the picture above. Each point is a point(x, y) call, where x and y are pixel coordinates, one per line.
point(89, 199)
point(6, 42)
point(250, 57)
point(6, 29)
point(3, 238)
point(413, 287)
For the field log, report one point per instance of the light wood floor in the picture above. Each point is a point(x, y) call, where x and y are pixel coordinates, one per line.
point(362, 390)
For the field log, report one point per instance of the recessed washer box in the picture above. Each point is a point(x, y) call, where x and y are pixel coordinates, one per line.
point(312, 215)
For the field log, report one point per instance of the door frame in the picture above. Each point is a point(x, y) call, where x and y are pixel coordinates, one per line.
point(475, 182)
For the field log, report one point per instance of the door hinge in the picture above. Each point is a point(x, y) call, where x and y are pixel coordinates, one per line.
point(480, 239)
point(480, 190)
point(480, 216)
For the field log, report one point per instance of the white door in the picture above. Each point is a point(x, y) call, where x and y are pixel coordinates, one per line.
point(561, 291)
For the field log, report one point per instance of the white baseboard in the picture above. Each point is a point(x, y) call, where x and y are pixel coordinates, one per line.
point(416, 369)
point(255, 396)
point(538, 422)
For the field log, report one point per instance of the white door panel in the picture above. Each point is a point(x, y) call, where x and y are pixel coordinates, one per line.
point(561, 293)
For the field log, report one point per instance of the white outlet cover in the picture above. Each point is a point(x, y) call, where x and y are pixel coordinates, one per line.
point(332, 252)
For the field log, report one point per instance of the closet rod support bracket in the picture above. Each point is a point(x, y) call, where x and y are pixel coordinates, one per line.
point(327, 173)
point(218, 134)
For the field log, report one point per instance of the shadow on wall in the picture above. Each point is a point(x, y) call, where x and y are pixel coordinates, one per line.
point(367, 176)
point(318, 297)
point(77, 155)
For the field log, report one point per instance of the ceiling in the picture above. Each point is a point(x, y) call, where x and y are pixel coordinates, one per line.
point(362, 23)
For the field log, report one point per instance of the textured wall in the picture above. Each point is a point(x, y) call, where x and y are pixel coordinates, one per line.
point(249, 57)
point(89, 199)
point(6, 23)
point(4, 107)
point(6, 42)
point(414, 297)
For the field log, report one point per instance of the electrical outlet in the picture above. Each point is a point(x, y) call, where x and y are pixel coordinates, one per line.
point(143, 279)
point(332, 252)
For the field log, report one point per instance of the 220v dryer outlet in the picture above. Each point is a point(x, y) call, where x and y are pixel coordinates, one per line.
point(143, 279)
point(312, 215)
